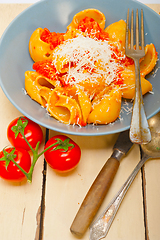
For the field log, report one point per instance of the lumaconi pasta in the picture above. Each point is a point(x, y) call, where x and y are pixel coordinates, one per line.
point(81, 76)
point(95, 14)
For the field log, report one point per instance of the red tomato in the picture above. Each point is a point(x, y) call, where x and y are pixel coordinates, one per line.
point(64, 155)
point(8, 170)
point(32, 132)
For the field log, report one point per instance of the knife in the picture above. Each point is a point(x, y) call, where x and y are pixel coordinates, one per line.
point(100, 186)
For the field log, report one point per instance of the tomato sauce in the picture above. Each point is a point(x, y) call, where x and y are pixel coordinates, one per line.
point(92, 28)
point(52, 38)
point(45, 68)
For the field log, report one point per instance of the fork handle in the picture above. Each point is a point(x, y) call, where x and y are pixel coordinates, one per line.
point(102, 224)
point(139, 130)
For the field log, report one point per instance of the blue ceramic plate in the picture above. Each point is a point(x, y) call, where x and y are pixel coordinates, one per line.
point(56, 15)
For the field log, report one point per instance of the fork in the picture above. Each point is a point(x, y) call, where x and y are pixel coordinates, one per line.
point(139, 129)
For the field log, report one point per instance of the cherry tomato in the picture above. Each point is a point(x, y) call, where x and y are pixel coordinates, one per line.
point(32, 132)
point(8, 170)
point(64, 155)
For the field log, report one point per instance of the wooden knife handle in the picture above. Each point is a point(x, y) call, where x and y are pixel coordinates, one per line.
point(94, 197)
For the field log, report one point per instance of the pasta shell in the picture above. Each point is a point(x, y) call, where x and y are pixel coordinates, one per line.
point(64, 108)
point(108, 109)
point(38, 49)
point(38, 92)
point(149, 61)
point(128, 87)
point(97, 15)
point(83, 100)
point(117, 33)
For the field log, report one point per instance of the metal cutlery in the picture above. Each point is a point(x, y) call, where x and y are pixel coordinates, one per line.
point(100, 186)
point(139, 130)
point(102, 224)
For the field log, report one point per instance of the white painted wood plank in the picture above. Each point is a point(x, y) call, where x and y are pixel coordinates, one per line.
point(19, 202)
point(64, 193)
point(35, 1)
point(152, 175)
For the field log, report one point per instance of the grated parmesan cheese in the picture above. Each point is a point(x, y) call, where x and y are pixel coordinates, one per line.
point(86, 53)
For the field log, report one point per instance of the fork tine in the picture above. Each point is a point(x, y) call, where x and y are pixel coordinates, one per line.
point(127, 31)
point(137, 30)
point(142, 30)
point(132, 30)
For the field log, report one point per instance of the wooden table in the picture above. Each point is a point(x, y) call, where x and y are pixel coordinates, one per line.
point(59, 196)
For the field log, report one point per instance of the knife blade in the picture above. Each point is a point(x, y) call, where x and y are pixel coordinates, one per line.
point(100, 186)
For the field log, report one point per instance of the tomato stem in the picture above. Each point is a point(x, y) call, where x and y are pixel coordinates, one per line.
point(41, 153)
point(35, 157)
point(22, 170)
point(27, 141)
point(64, 145)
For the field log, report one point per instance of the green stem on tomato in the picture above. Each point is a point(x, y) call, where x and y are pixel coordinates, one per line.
point(63, 145)
point(22, 170)
point(35, 158)
point(27, 141)
point(41, 153)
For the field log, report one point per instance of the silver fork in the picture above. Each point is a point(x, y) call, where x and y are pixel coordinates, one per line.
point(139, 129)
